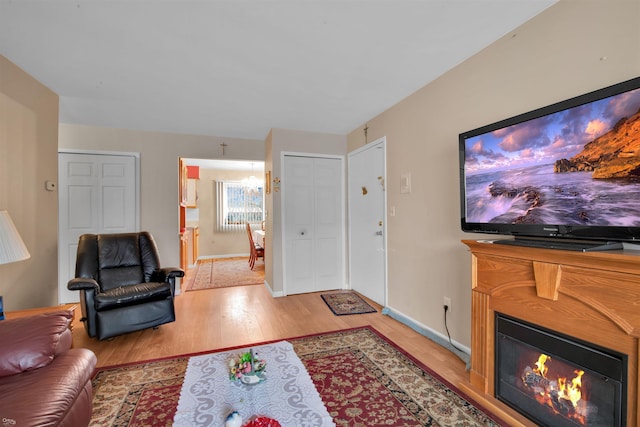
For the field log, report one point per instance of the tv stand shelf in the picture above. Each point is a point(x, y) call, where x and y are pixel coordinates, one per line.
point(592, 296)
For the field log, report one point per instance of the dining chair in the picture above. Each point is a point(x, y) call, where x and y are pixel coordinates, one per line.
point(255, 251)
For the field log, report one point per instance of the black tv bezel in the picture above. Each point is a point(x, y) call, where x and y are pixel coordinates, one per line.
point(589, 232)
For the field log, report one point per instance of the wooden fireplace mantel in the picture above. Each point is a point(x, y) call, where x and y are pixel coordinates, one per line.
point(592, 296)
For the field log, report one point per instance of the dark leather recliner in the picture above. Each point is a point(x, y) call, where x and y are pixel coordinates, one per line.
point(122, 287)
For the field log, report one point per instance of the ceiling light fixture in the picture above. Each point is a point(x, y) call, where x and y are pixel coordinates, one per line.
point(252, 183)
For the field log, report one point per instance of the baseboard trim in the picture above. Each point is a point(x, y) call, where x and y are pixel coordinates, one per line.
point(463, 352)
point(277, 294)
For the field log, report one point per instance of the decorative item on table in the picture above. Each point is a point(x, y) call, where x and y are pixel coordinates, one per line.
point(233, 420)
point(262, 422)
point(247, 368)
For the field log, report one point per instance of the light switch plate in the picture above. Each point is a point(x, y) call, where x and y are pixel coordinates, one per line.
point(405, 182)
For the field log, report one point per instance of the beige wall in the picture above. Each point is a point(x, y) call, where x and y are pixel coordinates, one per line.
point(159, 154)
point(28, 158)
point(556, 55)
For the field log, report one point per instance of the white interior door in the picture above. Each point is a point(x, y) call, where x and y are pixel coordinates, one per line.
point(367, 226)
point(313, 224)
point(97, 193)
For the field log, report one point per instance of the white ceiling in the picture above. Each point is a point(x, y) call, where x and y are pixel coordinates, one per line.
point(236, 68)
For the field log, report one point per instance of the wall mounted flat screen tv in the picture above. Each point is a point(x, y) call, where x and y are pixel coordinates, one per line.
point(568, 171)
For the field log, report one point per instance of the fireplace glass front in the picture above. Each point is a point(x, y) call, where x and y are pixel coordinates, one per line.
point(556, 380)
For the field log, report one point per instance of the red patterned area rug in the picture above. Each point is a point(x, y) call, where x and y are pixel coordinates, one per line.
point(346, 302)
point(363, 378)
point(225, 272)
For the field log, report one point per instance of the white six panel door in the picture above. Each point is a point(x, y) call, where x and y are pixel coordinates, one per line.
point(97, 194)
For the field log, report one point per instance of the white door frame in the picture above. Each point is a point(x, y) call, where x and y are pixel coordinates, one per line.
point(380, 141)
point(136, 157)
point(284, 154)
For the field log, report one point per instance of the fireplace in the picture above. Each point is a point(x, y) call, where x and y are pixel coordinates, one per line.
point(556, 380)
point(592, 297)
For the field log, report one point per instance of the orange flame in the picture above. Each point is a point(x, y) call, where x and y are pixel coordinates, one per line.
point(570, 391)
point(541, 368)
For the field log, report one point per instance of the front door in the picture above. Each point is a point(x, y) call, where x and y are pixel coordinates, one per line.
point(97, 194)
point(313, 224)
point(367, 240)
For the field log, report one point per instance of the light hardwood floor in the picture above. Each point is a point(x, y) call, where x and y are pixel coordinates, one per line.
point(225, 317)
point(235, 316)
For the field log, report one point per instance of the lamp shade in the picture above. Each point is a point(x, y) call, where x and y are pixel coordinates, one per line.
point(12, 247)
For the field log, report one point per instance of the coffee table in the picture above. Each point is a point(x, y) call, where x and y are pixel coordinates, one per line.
point(287, 395)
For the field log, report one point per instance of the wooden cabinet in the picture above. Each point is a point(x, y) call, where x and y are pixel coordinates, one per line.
point(192, 193)
point(189, 236)
point(195, 243)
point(191, 177)
point(183, 183)
point(184, 250)
point(189, 247)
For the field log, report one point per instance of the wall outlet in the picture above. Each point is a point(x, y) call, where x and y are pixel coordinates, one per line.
point(447, 302)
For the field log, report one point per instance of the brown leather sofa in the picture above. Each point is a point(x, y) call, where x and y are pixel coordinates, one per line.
point(43, 381)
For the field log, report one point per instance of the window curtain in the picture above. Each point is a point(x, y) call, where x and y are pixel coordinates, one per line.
point(236, 205)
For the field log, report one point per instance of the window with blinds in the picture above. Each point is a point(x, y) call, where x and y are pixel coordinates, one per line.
point(238, 204)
